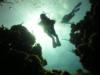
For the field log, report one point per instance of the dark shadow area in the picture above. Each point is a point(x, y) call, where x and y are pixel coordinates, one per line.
point(85, 36)
point(81, 72)
point(18, 56)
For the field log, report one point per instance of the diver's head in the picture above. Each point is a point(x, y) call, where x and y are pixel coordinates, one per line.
point(43, 15)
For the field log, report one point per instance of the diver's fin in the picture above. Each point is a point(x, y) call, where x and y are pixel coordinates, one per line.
point(79, 4)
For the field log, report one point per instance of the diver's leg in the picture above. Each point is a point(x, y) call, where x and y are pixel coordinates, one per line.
point(56, 36)
point(53, 41)
point(57, 40)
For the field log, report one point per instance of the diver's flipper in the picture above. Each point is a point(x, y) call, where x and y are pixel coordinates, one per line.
point(54, 44)
point(77, 7)
point(79, 4)
point(58, 43)
point(76, 10)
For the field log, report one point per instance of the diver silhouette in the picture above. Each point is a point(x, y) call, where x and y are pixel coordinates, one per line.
point(48, 26)
point(68, 17)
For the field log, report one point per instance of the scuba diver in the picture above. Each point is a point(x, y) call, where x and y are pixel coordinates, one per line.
point(68, 17)
point(48, 26)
